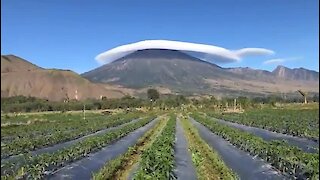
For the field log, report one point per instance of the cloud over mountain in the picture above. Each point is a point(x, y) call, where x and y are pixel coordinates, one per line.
point(210, 53)
point(281, 60)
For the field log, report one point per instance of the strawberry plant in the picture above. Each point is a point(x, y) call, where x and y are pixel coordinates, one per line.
point(158, 160)
point(290, 160)
point(43, 164)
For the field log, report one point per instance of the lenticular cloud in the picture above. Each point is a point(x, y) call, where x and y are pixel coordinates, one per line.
point(205, 52)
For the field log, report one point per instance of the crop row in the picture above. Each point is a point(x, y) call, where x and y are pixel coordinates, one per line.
point(25, 144)
point(39, 166)
point(24, 118)
point(288, 159)
point(207, 162)
point(46, 124)
point(157, 162)
point(303, 122)
point(119, 167)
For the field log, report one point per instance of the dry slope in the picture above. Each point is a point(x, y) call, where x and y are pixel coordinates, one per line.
point(20, 77)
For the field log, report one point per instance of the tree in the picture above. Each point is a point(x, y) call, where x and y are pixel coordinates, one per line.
point(153, 94)
point(315, 98)
point(244, 101)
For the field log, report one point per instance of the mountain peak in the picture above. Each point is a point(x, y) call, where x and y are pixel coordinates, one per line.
point(158, 54)
point(295, 73)
point(279, 67)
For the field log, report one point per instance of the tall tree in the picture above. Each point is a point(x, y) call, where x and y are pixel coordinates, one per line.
point(153, 94)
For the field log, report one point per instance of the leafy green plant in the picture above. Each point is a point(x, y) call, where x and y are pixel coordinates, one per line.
point(290, 160)
point(158, 160)
point(118, 165)
point(296, 122)
point(207, 162)
point(28, 138)
point(38, 166)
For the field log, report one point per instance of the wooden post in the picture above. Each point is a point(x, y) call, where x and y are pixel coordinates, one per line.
point(84, 111)
point(305, 99)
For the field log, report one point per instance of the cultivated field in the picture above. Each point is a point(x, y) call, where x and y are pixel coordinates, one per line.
point(281, 143)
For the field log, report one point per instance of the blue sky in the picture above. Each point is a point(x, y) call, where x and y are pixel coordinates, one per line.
point(68, 34)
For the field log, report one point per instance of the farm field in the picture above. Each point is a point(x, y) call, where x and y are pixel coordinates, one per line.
point(159, 145)
point(140, 90)
point(292, 121)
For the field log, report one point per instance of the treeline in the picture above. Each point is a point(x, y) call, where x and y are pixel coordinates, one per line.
point(251, 102)
point(32, 104)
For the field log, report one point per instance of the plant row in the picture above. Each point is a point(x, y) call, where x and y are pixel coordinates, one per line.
point(296, 122)
point(23, 123)
point(290, 160)
point(157, 162)
point(26, 144)
point(44, 125)
point(207, 162)
point(38, 166)
point(117, 168)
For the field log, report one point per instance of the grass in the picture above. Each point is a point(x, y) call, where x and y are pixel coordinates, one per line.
point(207, 162)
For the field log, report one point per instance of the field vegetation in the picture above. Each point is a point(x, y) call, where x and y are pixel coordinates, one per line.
point(28, 126)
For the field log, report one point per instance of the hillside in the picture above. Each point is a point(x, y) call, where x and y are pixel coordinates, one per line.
point(296, 74)
point(20, 77)
point(185, 74)
point(11, 63)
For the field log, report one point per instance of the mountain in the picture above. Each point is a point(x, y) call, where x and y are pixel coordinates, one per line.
point(161, 67)
point(296, 74)
point(185, 74)
point(20, 77)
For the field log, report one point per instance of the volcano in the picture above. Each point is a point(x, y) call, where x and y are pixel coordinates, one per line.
point(185, 74)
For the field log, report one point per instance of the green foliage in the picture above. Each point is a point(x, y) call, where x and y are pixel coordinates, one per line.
point(19, 139)
point(158, 160)
point(288, 159)
point(35, 167)
point(153, 94)
point(112, 167)
point(31, 104)
point(297, 122)
point(208, 163)
point(171, 102)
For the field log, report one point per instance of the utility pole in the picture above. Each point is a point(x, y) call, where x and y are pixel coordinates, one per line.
point(151, 106)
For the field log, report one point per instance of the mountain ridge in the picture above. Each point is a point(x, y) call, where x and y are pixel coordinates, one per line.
point(182, 72)
point(170, 71)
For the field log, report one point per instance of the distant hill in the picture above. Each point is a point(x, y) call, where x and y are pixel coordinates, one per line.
point(11, 63)
point(185, 74)
point(20, 77)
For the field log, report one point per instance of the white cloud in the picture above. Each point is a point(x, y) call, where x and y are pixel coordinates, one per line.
point(205, 52)
point(253, 52)
point(281, 60)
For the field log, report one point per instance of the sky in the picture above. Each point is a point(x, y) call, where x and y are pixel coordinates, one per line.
point(69, 34)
